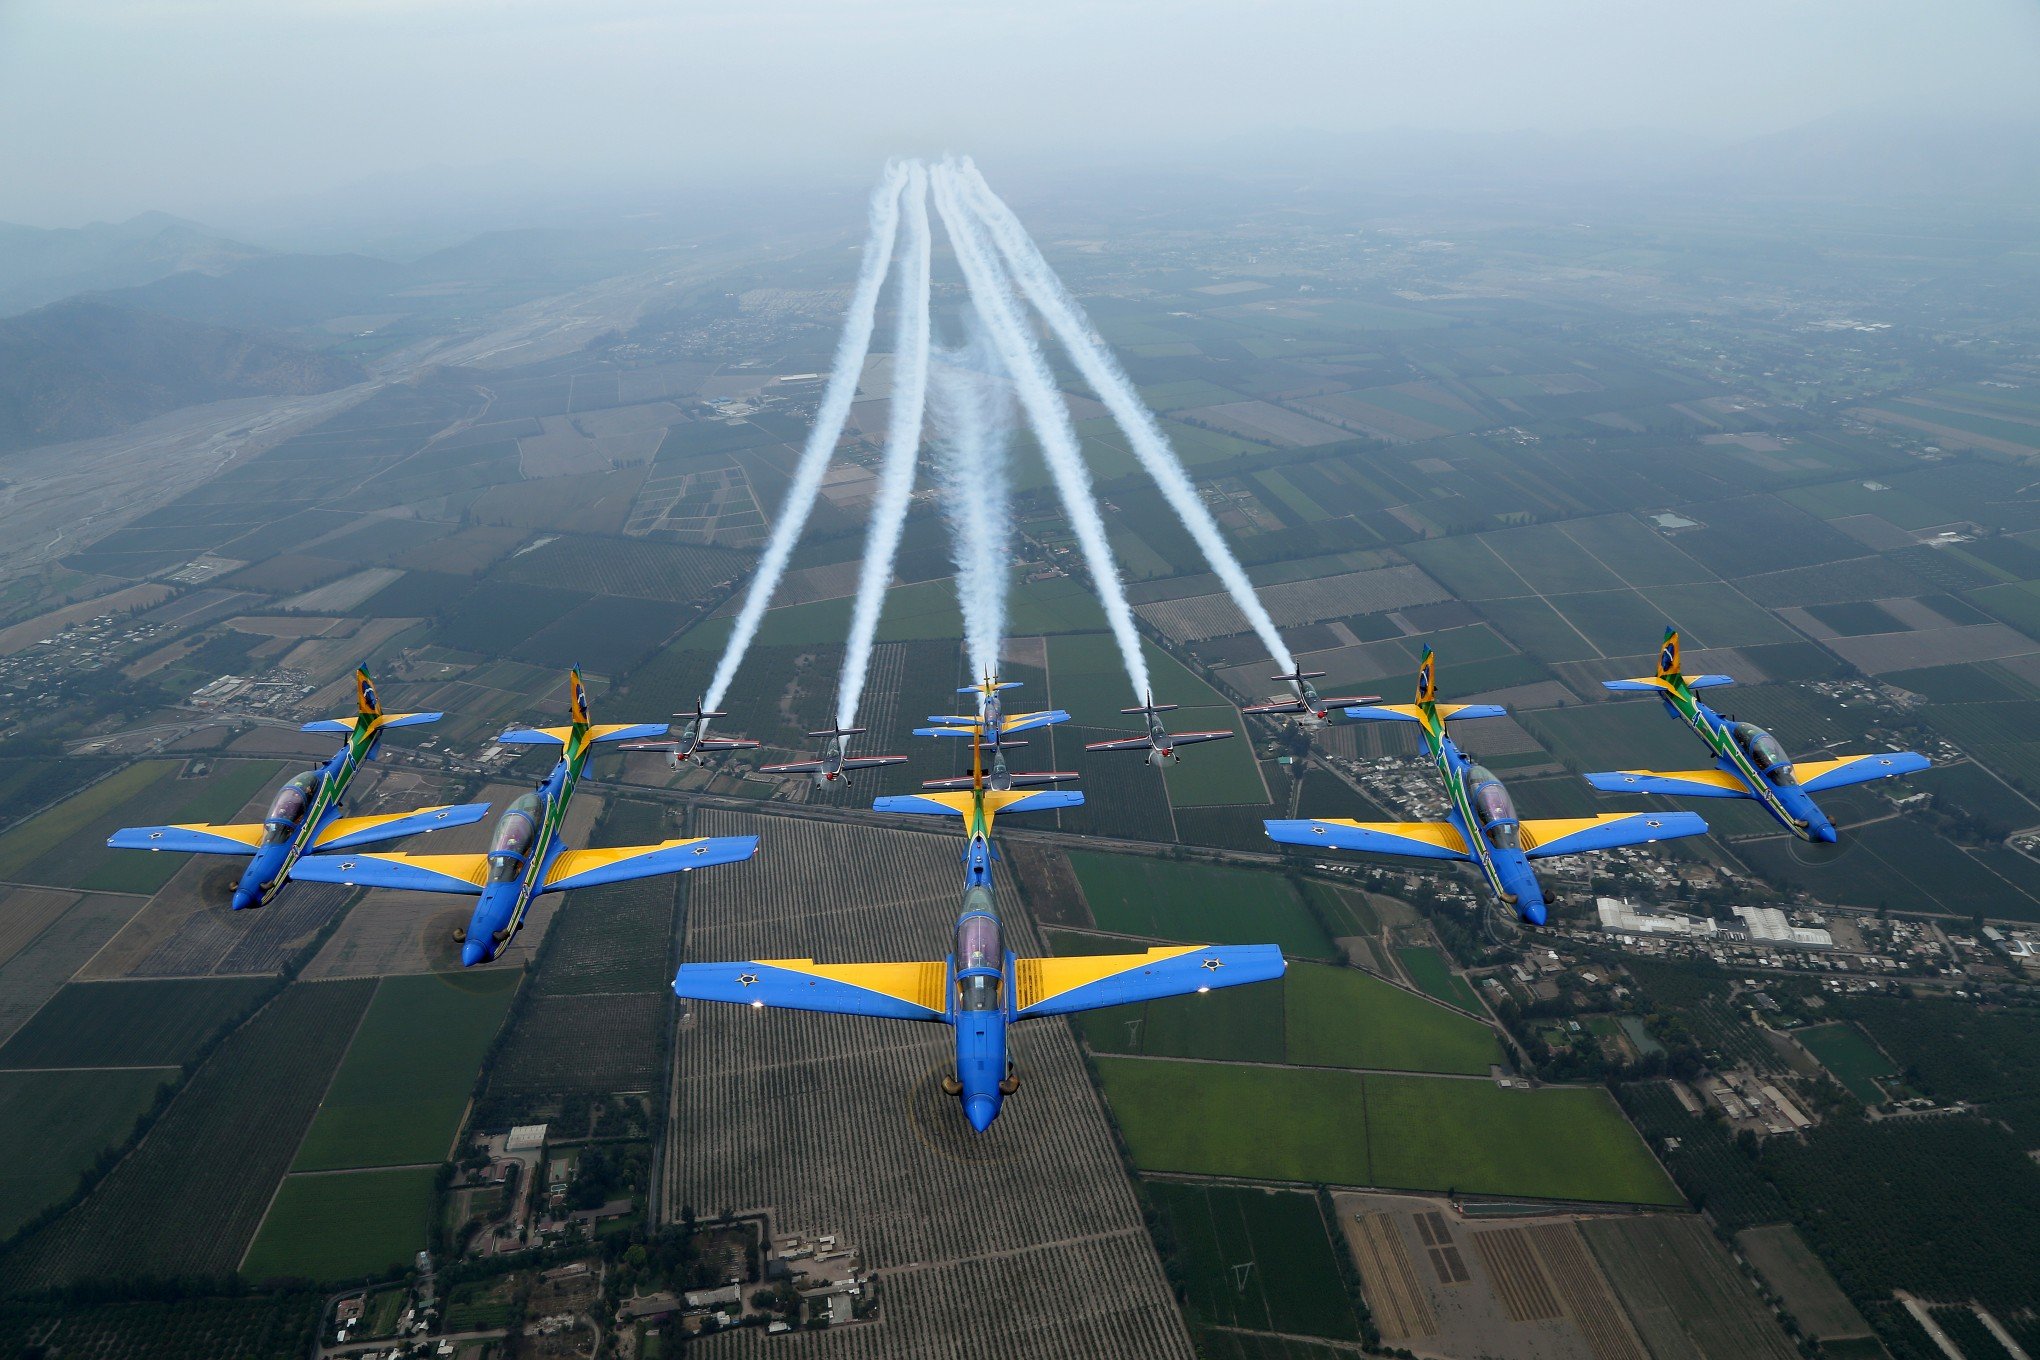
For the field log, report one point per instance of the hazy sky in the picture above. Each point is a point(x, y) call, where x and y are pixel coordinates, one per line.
point(205, 107)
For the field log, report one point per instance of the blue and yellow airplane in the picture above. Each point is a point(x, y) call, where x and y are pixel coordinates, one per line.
point(981, 988)
point(305, 814)
point(1748, 761)
point(1481, 825)
point(991, 722)
point(525, 855)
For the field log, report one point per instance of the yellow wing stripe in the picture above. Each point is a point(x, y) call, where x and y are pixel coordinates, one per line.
point(1806, 771)
point(571, 862)
point(1037, 980)
point(348, 826)
point(473, 868)
point(1720, 779)
point(1544, 830)
point(1434, 833)
point(917, 984)
point(244, 833)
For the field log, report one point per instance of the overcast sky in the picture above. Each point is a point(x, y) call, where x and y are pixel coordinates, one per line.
point(206, 107)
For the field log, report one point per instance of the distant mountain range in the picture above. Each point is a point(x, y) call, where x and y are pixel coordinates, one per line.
point(40, 266)
point(86, 367)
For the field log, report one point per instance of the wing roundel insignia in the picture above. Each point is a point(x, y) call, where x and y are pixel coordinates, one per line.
point(155, 835)
point(747, 978)
point(1213, 965)
point(346, 865)
point(700, 849)
point(1317, 831)
point(1653, 823)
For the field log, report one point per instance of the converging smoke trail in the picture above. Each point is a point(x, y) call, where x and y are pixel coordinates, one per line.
point(1094, 360)
point(997, 309)
point(973, 409)
point(902, 449)
point(851, 349)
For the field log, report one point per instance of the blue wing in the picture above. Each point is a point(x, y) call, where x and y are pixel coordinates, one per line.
point(410, 719)
point(615, 864)
point(1543, 838)
point(1082, 982)
point(348, 833)
point(1817, 776)
point(1716, 783)
point(897, 991)
point(418, 873)
point(196, 839)
point(1419, 840)
point(1027, 722)
point(961, 804)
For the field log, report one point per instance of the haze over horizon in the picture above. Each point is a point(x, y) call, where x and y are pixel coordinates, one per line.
point(231, 112)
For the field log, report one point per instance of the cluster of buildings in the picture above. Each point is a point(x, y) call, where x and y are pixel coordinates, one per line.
point(278, 692)
point(1759, 925)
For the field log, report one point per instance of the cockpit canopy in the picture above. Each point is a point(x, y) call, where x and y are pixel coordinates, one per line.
point(978, 946)
point(1493, 807)
point(516, 831)
point(1765, 752)
point(289, 806)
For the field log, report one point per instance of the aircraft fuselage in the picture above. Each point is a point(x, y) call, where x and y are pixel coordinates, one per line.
point(521, 849)
point(297, 814)
point(1754, 756)
point(1486, 818)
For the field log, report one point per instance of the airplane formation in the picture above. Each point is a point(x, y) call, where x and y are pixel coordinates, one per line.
point(980, 987)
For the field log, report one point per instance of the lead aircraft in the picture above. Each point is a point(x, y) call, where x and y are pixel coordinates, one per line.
point(991, 722)
point(526, 856)
point(981, 988)
point(836, 762)
point(1481, 826)
point(1748, 761)
point(305, 814)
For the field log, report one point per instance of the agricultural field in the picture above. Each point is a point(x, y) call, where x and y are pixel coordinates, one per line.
point(1404, 1132)
point(1085, 679)
point(65, 846)
point(188, 1199)
point(1432, 973)
point(282, 1326)
point(1853, 1060)
point(145, 1023)
point(1715, 1174)
point(1801, 1282)
point(395, 1100)
point(1165, 900)
point(1255, 1259)
point(55, 954)
point(342, 1226)
point(1683, 1290)
point(54, 1125)
point(1314, 1016)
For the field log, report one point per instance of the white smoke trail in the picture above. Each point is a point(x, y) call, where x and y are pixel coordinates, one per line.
point(996, 308)
point(851, 348)
point(973, 410)
point(1094, 360)
point(902, 449)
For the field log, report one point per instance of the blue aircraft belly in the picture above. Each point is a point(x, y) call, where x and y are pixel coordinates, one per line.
point(981, 1064)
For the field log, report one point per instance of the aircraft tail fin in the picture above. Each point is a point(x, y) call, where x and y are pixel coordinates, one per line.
point(1671, 676)
point(367, 707)
point(577, 698)
point(1668, 656)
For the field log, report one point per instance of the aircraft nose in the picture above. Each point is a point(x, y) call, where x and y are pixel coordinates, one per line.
point(1822, 831)
point(246, 898)
point(980, 1111)
point(1531, 910)
point(474, 952)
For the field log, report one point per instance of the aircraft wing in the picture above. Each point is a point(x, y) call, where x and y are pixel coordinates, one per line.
point(1085, 982)
point(345, 833)
point(1192, 738)
point(1675, 783)
point(873, 762)
point(793, 767)
point(1419, 840)
point(959, 804)
point(1027, 722)
point(704, 744)
point(418, 873)
point(587, 868)
point(197, 838)
point(898, 991)
point(1121, 744)
point(1276, 706)
point(1409, 713)
point(1816, 776)
point(1544, 838)
point(557, 736)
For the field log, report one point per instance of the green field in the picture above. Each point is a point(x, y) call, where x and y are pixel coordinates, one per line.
point(65, 846)
point(54, 1124)
point(1314, 1016)
point(333, 1228)
point(1400, 1132)
point(152, 1022)
point(1853, 1059)
point(1342, 1017)
point(1256, 1259)
point(1433, 975)
point(1166, 900)
point(406, 1078)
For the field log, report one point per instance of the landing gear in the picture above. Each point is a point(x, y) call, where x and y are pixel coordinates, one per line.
point(1012, 1081)
point(951, 1086)
point(460, 934)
